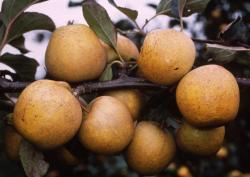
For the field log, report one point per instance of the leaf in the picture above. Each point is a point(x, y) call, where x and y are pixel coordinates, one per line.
point(235, 31)
point(19, 44)
point(13, 8)
point(2, 31)
point(107, 73)
point(224, 54)
point(29, 21)
point(100, 22)
point(170, 7)
point(195, 6)
point(132, 14)
point(152, 5)
point(227, 47)
point(164, 7)
point(243, 58)
point(221, 55)
point(32, 160)
point(24, 66)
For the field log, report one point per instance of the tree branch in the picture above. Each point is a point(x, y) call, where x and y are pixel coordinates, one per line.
point(10, 87)
point(89, 87)
point(243, 81)
point(123, 82)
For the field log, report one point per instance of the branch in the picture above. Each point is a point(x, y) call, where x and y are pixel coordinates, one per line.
point(10, 87)
point(123, 82)
point(89, 87)
point(243, 81)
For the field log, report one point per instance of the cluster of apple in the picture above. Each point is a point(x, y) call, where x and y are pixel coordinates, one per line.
point(48, 115)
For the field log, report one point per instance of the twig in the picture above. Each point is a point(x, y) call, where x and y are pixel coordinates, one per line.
point(243, 81)
point(140, 30)
point(10, 87)
point(153, 17)
point(83, 105)
point(181, 9)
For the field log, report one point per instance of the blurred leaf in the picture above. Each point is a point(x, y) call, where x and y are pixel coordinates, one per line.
point(175, 8)
point(13, 8)
point(2, 31)
point(224, 54)
point(29, 21)
point(154, 6)
point(99, 21)
point(32, 160)
point(19, 44)
point(227, 47)
point(24, 66)
point(132, 14)
point(195, 6)
point(170, 7)
point(164, 7)
point(74, 4)
point(107, 74)
point(221, 55)
point(235, 31)
point(243, 58)
point(124, 24)
point(9, 118)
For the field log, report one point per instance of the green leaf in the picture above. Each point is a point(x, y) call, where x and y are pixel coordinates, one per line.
point(235, 31)
point(243, 58)
point(164, 7)
point(239, 49)
point(29, 21)
point(100, 22)
point(152, 5)
point(13, 8)
point(24, 66)
point(195, 6)
point(32, 160)
point(170, 7)
point(2, 31)
point(19, 44)
point(221, 55)
point(224, 54)
point(132, 14)
point(107, 74)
